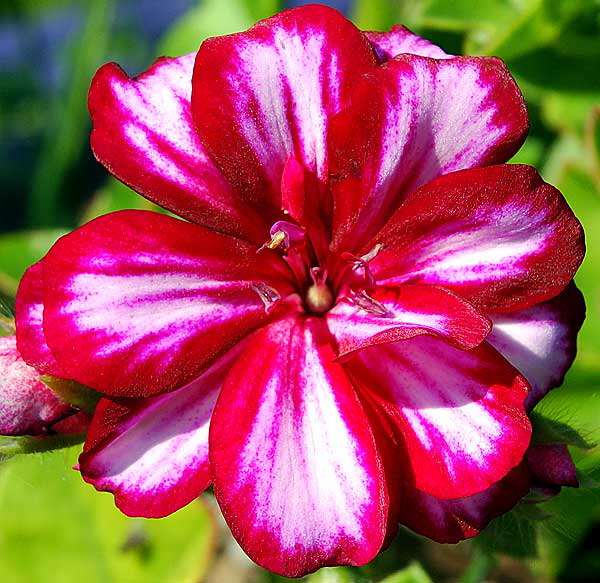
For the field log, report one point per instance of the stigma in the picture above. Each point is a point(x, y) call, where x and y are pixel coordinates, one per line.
point(319, 298)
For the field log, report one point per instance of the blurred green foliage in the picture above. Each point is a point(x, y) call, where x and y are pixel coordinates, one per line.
point(54, 524)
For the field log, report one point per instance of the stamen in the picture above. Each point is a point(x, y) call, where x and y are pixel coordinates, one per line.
point(365, 302)
point(360, 266)
point(283, 234)
point(267, 294)
point(276, 239)
point(373, 252)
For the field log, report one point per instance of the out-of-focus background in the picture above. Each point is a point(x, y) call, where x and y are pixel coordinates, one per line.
point(53, 527)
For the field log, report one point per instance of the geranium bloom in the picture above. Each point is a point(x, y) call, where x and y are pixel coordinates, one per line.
point(354, 313)
point(27, 405)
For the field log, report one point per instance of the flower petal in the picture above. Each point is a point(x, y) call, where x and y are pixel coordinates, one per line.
point(450, 521)
point(498, 236)
point(551, 465)
point(295, 467)
point(399, 40)
point(137, 303)
point(541, 341)
point(267, 94)
point(461, 414)
point(144, 134)
point(419, 118)
point(411, 310)
point(152, 454)
point(27, 406)
point(29, 309)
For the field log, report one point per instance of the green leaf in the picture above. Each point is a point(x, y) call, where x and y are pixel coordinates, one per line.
point(335, 575)
point(548, 430)
point(114, 196)
point(73, 393)
point(25, 444)
point(376, 14)
point(465, 14)
point(482, 561)
point(511, 534)
point(7, 323)
point(414, 573)
point(568, 112)
point(571, 518)
point(592, 134)
point(209, 18)
point(54, 523)
point(259, 9)
point(19, 250)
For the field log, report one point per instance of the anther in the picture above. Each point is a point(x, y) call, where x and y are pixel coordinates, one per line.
point(283, 234)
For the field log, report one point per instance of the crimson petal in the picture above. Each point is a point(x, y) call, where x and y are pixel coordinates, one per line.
point(295, 467)
point(410, 310)
point(29, 309)
point(499, 237)
point(541, 341)
point(461, 413)
point(267, 94)
point(152, 454)
point(450, 521)
point(399, 40)
point(144, 134)
point(419, 118)
point(137, 303)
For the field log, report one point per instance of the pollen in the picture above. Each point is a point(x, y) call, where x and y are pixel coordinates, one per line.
point(277, 239)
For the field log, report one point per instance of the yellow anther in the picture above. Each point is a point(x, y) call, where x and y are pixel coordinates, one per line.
point(277, 239)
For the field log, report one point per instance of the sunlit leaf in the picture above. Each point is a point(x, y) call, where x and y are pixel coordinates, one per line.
point(549, 430)
point(54, 523)
point(511, 534)
point(19, 250)
point(114, 196)
point(208, 18)
point(414, 573)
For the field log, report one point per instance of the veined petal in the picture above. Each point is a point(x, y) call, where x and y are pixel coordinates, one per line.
point(144, 134)
point(267, 94)
point(541, 341)
point(410, 310)
point(29, 309)
point(152, 453)
point(450, 521)
point(461, 413)
point(137, 303)
point(399, 40)
point(27, 406)
point(295, 467)
point(419, 118)
point(499, 237)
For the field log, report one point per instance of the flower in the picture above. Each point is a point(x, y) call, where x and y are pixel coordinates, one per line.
point(361, 301)
point(27, 405)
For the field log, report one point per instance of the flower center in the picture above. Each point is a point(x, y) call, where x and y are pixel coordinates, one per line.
point(319, 298)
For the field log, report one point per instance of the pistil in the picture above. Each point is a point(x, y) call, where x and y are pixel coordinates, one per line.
point(319, 298)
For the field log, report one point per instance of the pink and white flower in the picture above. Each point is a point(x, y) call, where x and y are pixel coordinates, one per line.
point(27, 405)
point(349, 323)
